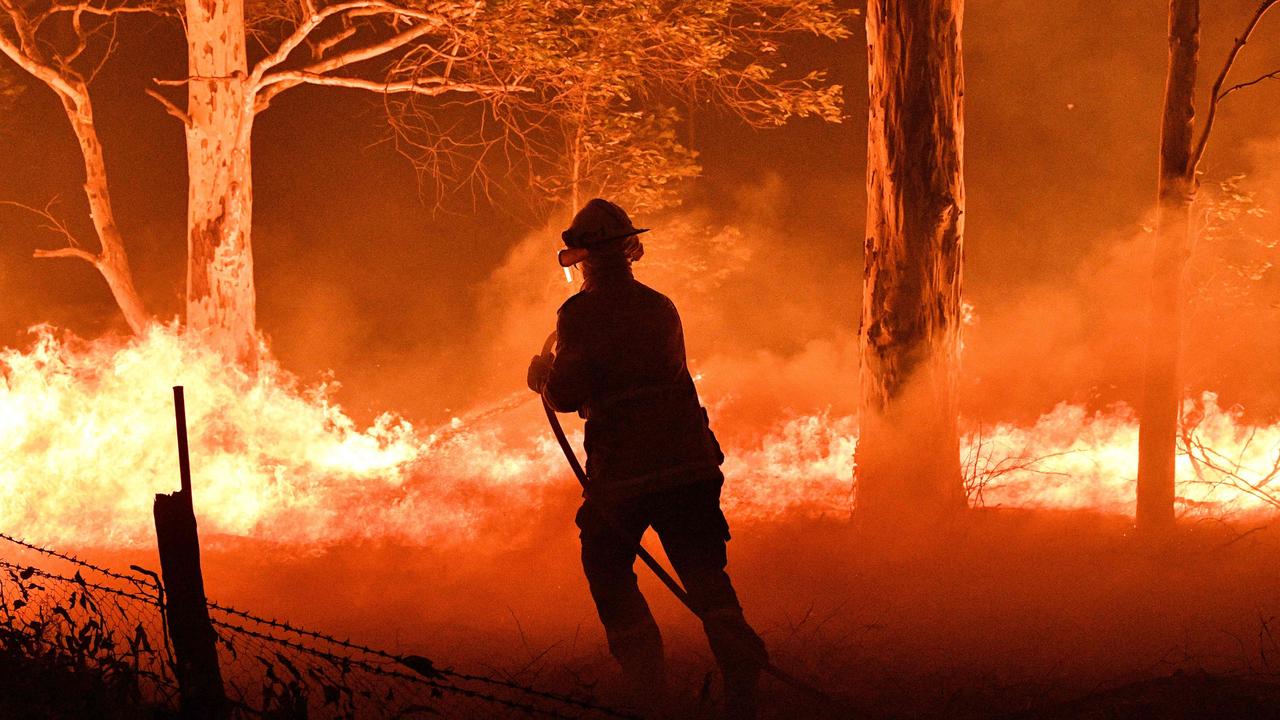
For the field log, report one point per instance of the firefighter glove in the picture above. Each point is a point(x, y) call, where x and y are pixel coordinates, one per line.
point(539, 371)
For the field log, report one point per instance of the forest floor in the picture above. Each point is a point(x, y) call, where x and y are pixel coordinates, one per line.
point(1011, 613)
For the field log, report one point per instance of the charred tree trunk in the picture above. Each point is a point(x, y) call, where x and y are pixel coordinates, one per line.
point(220, 105)
point(1162, 388)
point(908, 456)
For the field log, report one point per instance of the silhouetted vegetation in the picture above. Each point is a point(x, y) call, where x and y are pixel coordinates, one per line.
point(43, 677)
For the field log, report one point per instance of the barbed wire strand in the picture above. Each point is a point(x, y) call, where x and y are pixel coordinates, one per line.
point(140, 579)
point(376, 670)
point(162, 681)
point(78, 581)
point(348, 644)
point(285, 626)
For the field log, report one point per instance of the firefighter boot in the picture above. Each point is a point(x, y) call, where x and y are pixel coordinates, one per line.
point(638, 650)
point(741, 693)
point(741, 655)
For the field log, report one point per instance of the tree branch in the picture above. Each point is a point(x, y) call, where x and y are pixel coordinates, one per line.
point(1273, 75)
point(1216, 94)
point(300, 34)
point(369, 52)
point(431, 86)
point(275, 83)
point(90, 9)
point(56, 225)
point(41, 71)
point(431, 18)
point(169, 107)
point(82, 39)
point(68, 252)
point(320, 47)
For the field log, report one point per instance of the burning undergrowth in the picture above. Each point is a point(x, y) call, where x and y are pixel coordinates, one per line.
point(86, 440)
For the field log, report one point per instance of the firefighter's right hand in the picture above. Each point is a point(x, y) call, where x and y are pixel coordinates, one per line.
point(539, 372)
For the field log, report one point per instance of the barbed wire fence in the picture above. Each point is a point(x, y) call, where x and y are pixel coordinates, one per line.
point(54, 604)
point(61, 618)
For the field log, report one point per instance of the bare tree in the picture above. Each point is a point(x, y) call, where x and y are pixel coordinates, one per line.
point(523, 79)
point(1181, 153)
point(63, 46)
point(635, 157)
point(521, 65)
point(628, 76)
point(301, 44)
point(908, 454)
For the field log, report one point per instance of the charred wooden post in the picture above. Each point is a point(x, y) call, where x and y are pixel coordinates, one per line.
point(908, 454)
point(186, 611)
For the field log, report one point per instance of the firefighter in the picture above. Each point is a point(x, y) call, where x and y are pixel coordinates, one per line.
point(652, 459)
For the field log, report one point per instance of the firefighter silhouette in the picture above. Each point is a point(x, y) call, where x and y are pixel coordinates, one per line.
point(652, 460)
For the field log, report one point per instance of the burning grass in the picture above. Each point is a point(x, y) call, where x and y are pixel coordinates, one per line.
point(86, 440)
point(457, 541)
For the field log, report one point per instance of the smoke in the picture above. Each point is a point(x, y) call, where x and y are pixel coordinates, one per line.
point(769, 306)
point(456, 535)
point(760, 348)
point(1078, 335)
point(771, 322)
point(430, 314)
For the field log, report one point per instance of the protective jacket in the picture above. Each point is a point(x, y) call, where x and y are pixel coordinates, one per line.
point(620, 364)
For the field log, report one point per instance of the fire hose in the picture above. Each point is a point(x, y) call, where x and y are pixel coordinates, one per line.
point(658, 570)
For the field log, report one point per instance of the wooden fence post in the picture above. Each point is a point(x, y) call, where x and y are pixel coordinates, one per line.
point(186, 612)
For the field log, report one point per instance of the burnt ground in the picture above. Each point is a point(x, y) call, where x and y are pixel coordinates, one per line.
point(1010, 614)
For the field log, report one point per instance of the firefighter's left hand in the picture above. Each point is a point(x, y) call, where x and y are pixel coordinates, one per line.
point(539, 371)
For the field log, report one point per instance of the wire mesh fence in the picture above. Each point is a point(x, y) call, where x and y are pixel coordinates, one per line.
point(57, 608)
point(68, 625)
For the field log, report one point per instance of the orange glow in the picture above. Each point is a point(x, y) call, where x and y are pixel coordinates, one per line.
point(86, 440)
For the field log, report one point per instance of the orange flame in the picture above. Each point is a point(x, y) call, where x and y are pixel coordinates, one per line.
point(86, 440)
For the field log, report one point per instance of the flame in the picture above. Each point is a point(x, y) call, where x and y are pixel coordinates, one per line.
point(87, 438)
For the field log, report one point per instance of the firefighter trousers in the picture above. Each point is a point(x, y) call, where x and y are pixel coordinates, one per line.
point(693, 531)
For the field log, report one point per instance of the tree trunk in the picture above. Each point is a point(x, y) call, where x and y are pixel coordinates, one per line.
point(112, 262)
point(220, 291)
point(908, 458)
point(1162, 390)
